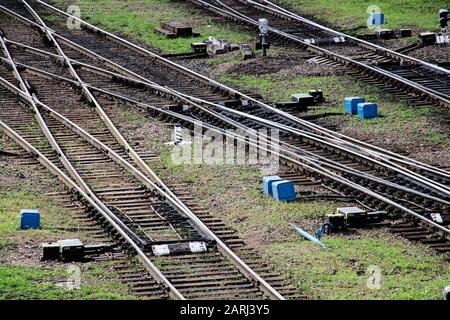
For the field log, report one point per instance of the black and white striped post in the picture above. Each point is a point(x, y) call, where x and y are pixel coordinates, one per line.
point(178, 134)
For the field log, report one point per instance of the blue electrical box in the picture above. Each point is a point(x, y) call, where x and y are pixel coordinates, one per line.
point(367, 110)
point(267, 184)
point(283, 190)
point(376, 19)
point(351, 104)
point(29, 219)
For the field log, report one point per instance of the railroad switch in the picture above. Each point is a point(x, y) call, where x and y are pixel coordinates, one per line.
point(317, 95)
point(428, 38)
point(354, 217)
point(246, 51)
point(199, 48)
point(71, 250)
point(384, 34)
point(304, 99)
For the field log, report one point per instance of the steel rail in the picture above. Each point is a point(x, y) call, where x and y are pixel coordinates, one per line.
point(214, 83)
point(167, 193)
point(41, 122)
point(136, 158)
point(280, 10)
point(94, 27)
point(312, 166)
point(318, 159)
point(147, 82)
point(304, 134)
point(149, 266)
point(27, 96)
point(119, 138)
point(31, 101)
point(273, 125)
point(333, 143)
point(239, 264)
point(228, 11)
point(251, 275)
point(409, 173)
point(382, 198)
point(103, 116)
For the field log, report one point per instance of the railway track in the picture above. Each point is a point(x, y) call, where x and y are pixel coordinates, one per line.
point(92, 152)
point(76, 220)
point(424, 83)
point(409, 189)
point(405, 185)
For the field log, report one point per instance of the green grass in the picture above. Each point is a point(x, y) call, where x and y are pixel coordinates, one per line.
point(438, 137)
point(279, 88)
point(408, 271)
point(12, 202)
point(169, 165)
point(18, 282)
point(231, 58)
point(133, 117)
point(236, 190)
point(348, 14)
point(137, 19)
point(341, 271)
point(31, 281)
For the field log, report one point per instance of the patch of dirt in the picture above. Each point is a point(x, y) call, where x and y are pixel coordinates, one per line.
point(25, 253)
point(145, 131)
point(433, 54)
point(404, 140)
point(284, 62)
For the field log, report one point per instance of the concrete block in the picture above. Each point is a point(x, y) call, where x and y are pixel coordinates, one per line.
point(30, 219)
point(351, 104)
point(367, 110)
point(283, 190)
point(267, 184)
